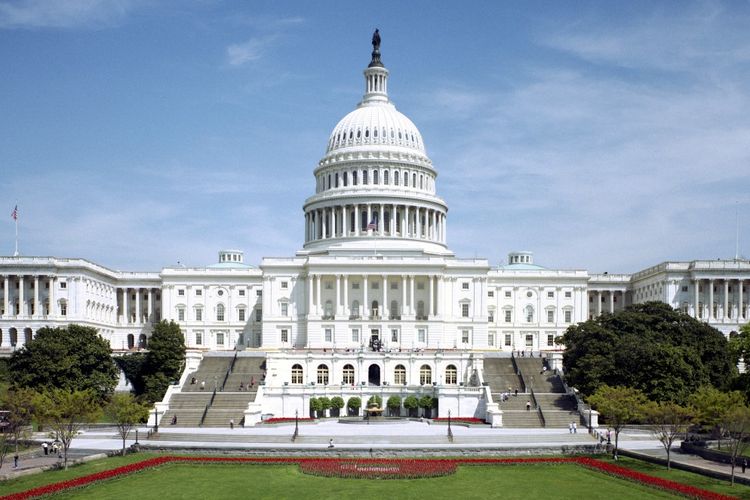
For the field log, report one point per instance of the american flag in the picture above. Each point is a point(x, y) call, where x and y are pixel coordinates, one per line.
point(372, 225)
point(14, 213)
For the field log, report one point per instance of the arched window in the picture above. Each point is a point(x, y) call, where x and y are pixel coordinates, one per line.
point(451, 375)
point(421, 182)
point(297, 374)
point(346, 179)
point(406, 179)
point(425, 375)
point(348, 375)
point(363, 221)
point(323, 374)
point(329, 181)
point(354, 178)
point(142, 342)
point(375, 177)
point(414, 180)
point(396, 178)
point(529, 314)
point(337, 180)
point(385, 177)
point(220, 312)
point(131, 341)
point(355, 308)
point(374, 309)
point(399, 375)
point(364, 177)
point(13, 336)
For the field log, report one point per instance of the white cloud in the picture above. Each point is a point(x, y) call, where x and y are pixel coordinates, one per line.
point(62, 13)
point(249, 51)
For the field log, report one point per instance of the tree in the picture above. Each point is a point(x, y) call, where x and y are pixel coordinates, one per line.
point(681, 353)
point(714, 406)
point(738, 425)
point(66, 412)
point(668, 421)
point(20, 406)
point(394, 405)
point(325, 404)
point(354, 404)
point(164, 360)
point(125, 412)
point(739, 344)
point(411, 403)
point(426, 403)
point(619, 405)
point(74, 358)
point(315, 407)
point(337, 402)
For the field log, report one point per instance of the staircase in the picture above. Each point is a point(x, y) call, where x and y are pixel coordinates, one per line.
point(536, 378)
point(211, 371)
point(188, 407)
point(500, 375)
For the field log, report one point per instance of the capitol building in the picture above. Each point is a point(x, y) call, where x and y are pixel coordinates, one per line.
point(374, 302)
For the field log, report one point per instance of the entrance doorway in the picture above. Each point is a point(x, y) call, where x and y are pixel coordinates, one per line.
point(373, 375)
point(375, 343)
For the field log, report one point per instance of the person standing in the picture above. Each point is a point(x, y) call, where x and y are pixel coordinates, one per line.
point(15, 461)
point(744, 465)
point(570, 428)
point(45, 447)
point(330, 443)
point(231, 423)
point(575, 428)
point(528, 405)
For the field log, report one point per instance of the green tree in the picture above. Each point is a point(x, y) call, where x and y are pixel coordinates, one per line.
point(619, 405)
point(738, 425)
point(739, 344)
point(164, 360)
point(681, 353)
point(337, 402)
point(411, 403)
point(394, 405)
point(125, 412)
point(20, 404)
point(354, 404)
point(66, 412)
point(668, 421)
point(325, 404)
point(74, 358)
point(426, 403)
point(315, 407)
point(714, 406)
point(132, 365)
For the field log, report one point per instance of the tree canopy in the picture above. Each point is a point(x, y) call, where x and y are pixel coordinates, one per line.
point(650, 347)
point(73, 357)
point(125, 412)
point(619, 406)
point(164, 361)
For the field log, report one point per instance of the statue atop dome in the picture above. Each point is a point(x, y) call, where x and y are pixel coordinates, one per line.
point(375, 62)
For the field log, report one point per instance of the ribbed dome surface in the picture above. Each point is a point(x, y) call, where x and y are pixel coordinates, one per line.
point(375, 123)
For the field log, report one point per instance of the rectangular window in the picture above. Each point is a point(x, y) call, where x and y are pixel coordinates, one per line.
point(259, 293)
point(63, 284)
point(284, 309)
point(375, 285)
point(242, 293)
point(491, 339)
point(568, 294)
point(285, 335)
point(684, 289)
point(258, 314)
point(220, 313)
point(550, 340)
point(420, 285)
point(465, 310)
point(421, 335)
point(490, 293)
point(507, 294)
point(220, 338)
point(355, 286)
point(181, 292)
point(464, 336)
point(394, 335)
point(464, 286)
point(198, 338)
point(568, 316)
point(491, 317)
point(329, 285)
point(529, 341)
point(63, 309)
point(508, 318)
point(180, 314)
point(241, 314)
point(508, 338)
point(550, 316)
point(550, 295)
point(394, 286)
point(199, 315)
point(284, 285)
point(328, 334)
point(198, 292)
point(355, 334)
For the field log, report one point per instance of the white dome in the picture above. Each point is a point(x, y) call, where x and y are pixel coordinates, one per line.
point(375, 124)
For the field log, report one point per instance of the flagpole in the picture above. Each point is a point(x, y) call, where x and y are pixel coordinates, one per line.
point(16, 254)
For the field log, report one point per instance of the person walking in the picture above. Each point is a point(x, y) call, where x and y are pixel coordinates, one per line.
point(570, 428)
point(45, 447)
point(744, 465)
point(330, 443)
point(15, 461)
point(575, 428)
point(231, 423)
point(528, 405)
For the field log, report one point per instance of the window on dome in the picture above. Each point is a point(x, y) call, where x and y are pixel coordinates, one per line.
point(414, 180)
point(346, 178)
point(406, 179)
point(351, 135)
point(329, 181)
point(384, 134)
point(421, 182)
point(354, 178)
point(336, 182)
point(392, 134)
point(385, 177)
point(364, 177)
point(375, 132)
point(359, 134)
point(375, 177)
point(396, 177)
point(367, 132)
point(399, 135)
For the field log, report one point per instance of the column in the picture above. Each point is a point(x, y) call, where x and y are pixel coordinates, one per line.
point(445, 229)
point(318, 298)
point(438, 294)
point(6, 289)
point(36, 296)
point(611, 302)
point(138, 306)
point(149, 306)
point(337, 303)
point(357, 220)
point(347, 311)
point(125, 299)
point(384, 307)
point(430, 299)
point(310, 289)
point(404, 219)
point(369, 217)
point(727, 313)
point(51, 297)
point(393, 220)
point(418, 223)
point(323, 223)
point(365, 303)
point(334, 222)
point(381, 222)
point(697, 287)
point(740, 308)
point(710, 299)
point(412, 305)
point(21, 305)
point(598, 303)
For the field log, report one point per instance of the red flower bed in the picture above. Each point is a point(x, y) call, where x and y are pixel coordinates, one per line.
point(378, 468)
point(371, 468)
point(460, 420)
point(287, 420)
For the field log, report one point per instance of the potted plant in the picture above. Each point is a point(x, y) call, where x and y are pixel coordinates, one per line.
point(394, 406)
point(353, 405)
point(337, 402)
point(411, 403)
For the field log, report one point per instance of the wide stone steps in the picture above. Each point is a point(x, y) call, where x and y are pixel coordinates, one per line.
point(521, 418)
point(212, 371)
point(245, 371)
point(561, 419)
point(500, 375)
point(538, 379)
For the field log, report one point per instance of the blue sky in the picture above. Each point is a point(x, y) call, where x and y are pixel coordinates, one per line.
point(600, 135)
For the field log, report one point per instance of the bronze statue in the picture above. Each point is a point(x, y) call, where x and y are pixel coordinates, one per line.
point(376, 40)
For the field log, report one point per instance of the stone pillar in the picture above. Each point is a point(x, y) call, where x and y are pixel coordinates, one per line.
point(696, 298)
point(337, 303)
point(347, 309)
point(412, 305)
point(710, 299)
point(598, 303)
point(404, 221)
point(365, 302)
point(51, 297)
point(334, 222)
point(402, 312)
point(6, 291)
point(310, 290)
point(384, 307)
point(369, 217)
point(125, 300)
point(418, 223)
point(430, 297)
point(318, 301)
point(36, 296)
point(21, 305)
point(611, 302)
point(381, 222)
point(357, 220)
point(726, 313)
point(138, 306)
point(740, 309)
point(149, 306)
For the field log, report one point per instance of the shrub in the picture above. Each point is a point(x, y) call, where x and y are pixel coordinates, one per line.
point(315, 407)
point(394, 405)
point(354, 404)
point(337, 402)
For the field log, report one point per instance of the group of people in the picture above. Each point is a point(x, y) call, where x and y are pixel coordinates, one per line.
point(573, 428)
point(504, 396)
point(55, 448)
point(249, 386)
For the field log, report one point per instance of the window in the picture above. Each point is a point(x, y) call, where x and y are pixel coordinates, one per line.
point(490, 293)
point(399, 375)
point(568, 294)
point(394, 335)
point(323, 374)
point(508, 338)
point(420, 285)
point(297, 374)
point(198, 292)
point(394, 286)
point(328, 334)
point(242, 293)
point(568, 315)
point(241, 313)
point(375, 285)
point(529, 340)
point(355, 334)
point(508, 318)
point(465, 286)
point(180, 314)
point(529, 294)
point(329, 285)
point(507, 294)
point(258, 293)
point(258, 314)
point(64, 284)
point(199, 314)
point(464, 310)
point(355, 308)
point(180, 292)
point(284, 309)
point(451, 375)
point(284, 285)
point(284, 335)
point(550, 295)
point(198, 338)
point(220, 312)
point(375, 177)
point(550, 316)
point(355, 286)
point(421, 335)
point(425, 375)
point(348, 375)
point(220, 338)
point(64, 309)
point(491, 339)
point(550, 340)
point(464, 336)
point(529, 314)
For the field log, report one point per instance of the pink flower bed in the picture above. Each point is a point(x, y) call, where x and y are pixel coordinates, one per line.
point(370, 468)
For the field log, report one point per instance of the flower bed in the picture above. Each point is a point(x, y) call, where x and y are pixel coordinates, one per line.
point(373, 468)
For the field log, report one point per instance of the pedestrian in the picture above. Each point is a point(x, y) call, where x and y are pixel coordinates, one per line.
point(575, 428)
point(570, 428)
point(231, 423)
point(330, 443)
point(744, 465)
point(242, 386)
point(45, 447)
point(174, 419)
point(203, 384)
point(515, 393)
point(15, 461)
point(528, 405)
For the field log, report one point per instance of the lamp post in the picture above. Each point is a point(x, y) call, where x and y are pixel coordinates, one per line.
point(450, 431)
point(156, 421)
point(296, 424)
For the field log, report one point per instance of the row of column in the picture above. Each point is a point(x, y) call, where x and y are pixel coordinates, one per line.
point(737, 311)
point(342, 304)
point(598, 294)
point(408, 222)
point(21, 299)
point(140, 314)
